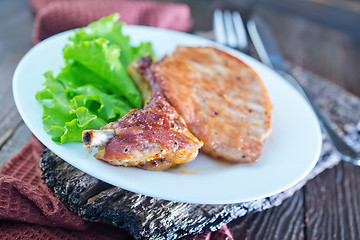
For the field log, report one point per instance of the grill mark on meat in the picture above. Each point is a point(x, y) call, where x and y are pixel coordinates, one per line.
point(222, 100)
point(198, 81)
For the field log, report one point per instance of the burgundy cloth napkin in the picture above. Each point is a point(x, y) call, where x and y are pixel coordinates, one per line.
point(55, 16)
point(29, 210)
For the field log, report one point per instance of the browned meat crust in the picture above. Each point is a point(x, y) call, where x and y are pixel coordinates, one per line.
point(154, 138)
point(222, 100)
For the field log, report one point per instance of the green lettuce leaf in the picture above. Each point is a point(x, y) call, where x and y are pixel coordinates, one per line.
point(109, 29)
point(93, 88)
point(103, 59)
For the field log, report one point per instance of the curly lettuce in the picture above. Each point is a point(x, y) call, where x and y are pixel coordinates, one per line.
point(93, 88)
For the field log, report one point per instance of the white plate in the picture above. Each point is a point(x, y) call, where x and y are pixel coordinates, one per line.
point(289, 154)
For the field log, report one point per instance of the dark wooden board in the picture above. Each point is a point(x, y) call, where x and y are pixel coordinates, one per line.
point(283, 222)
point(150, 218)
point(144, 217)
point(16, 23)
point(332, 204)
point(14, 144)
point(326, 52)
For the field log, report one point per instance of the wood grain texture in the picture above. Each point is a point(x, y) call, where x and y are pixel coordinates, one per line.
point(283, 222)
point(331, 200)
point(332, 204)
point(324, 51)
point(14, 144)
point(144, 217)
point(15, 40)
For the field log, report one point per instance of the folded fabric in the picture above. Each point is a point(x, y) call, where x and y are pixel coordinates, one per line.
point(31, 211)
point(55, 16)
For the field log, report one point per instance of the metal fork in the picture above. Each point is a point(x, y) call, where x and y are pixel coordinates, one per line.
point(229, 30)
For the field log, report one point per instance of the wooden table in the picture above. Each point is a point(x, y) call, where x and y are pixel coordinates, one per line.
point(328, 206)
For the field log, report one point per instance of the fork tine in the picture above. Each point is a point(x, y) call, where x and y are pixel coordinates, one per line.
point(219, 30)
point(229, 27)
point(239, 27)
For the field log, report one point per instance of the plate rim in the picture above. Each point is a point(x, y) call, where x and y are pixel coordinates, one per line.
point(217, 45)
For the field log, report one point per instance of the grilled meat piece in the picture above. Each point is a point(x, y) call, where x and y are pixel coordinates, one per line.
point(154, 138)
point(222, 100)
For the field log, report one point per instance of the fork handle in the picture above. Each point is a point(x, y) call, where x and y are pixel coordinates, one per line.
point(346, 152)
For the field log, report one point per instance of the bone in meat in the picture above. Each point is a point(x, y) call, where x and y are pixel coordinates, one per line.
point(154, 138)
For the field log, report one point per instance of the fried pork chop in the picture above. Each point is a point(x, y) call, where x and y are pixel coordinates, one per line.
point(216, 96)
point(154, 138)
point(222, 100)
